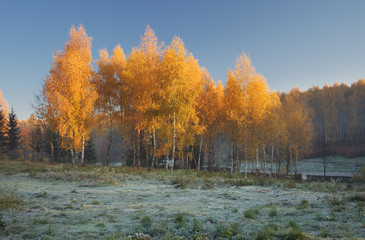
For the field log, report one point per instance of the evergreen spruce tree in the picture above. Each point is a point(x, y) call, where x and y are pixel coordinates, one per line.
point(13, 135)
point(90, 154)
point(2, 133)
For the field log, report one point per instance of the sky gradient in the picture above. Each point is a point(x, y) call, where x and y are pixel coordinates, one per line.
point(291, 43)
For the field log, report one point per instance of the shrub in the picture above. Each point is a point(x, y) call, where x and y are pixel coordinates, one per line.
point(324, 233)
point(111, 219)
point(273, 212)
point(180, 181)
point(146, 222)
point(293, 224)
point(196, 226)
point(179, 218)
point(100, 224)
point(41, 195)
point(289, 184)
point(9, 198)
point(95, 202)
point(358, 197)
point(303, 205)
point(295, 234)
point(41, 221)
point(251, 213)
point(266, 233)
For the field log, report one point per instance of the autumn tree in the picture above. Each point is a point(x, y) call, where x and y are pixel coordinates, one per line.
point(35, 136)
point(69, 94)
point(259, 104)
point(4, 110)
point(4, 105)
point(273, 130)
point(234, 108)
point(247, 100)
point(3, 136)
point(181, 81)
point(119, 62)
point(299, 127)
point(107, 83)
point(142, 81)
point(208, 110)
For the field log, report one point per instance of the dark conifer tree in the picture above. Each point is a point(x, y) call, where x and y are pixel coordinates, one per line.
point(90, 154)
point(13, 134)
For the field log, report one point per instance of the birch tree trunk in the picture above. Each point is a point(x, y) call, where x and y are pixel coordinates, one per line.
point(200, 152)
point(147, 153)
point(167, 162)
point(237, 159)
point(110, 140)
point(52, 151)
point(272, 159)
point(231, 157)
point(122, 136)
point(154, 148)
point(263, 148)
point(138, 148)
point(257, 159)
point(134, 152)
point(73, 158)
point(173, 146)
point(83, 151)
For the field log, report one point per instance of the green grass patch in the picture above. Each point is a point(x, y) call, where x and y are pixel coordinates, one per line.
point(251, 213)
point(358, 197)
point(9, 198)
point(273, 212)
point(146, 222)
point(266, 233)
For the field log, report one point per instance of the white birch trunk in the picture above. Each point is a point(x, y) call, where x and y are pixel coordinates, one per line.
point(173, 146)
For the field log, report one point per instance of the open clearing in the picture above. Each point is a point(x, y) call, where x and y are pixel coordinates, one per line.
point(108, 203)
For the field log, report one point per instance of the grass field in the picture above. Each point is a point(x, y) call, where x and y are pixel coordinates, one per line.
point(58, 202)
point(335, 164)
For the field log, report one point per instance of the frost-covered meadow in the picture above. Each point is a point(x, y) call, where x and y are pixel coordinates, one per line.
point(57, 202)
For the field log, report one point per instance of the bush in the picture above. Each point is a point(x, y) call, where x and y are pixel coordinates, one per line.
point(226, 232)
point(196, 226)
point(179, 218)
point(9, 198)
point(303, 205)
point(358, 197)
point(289, 184)
point(251, 213)
point(295, 234)
point(273, 212)
point(100, 224)
point(266, 233)
point(180, 181)
point(146, 222)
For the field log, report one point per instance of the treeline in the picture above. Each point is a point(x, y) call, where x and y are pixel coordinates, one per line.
point(338, 116)
point(161, 109)
point(166, 109)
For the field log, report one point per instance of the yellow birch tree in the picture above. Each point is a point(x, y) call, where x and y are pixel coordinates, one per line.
point(181, 81)
point(69, 93)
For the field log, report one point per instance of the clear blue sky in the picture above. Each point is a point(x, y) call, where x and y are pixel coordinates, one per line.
point(292, 43)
